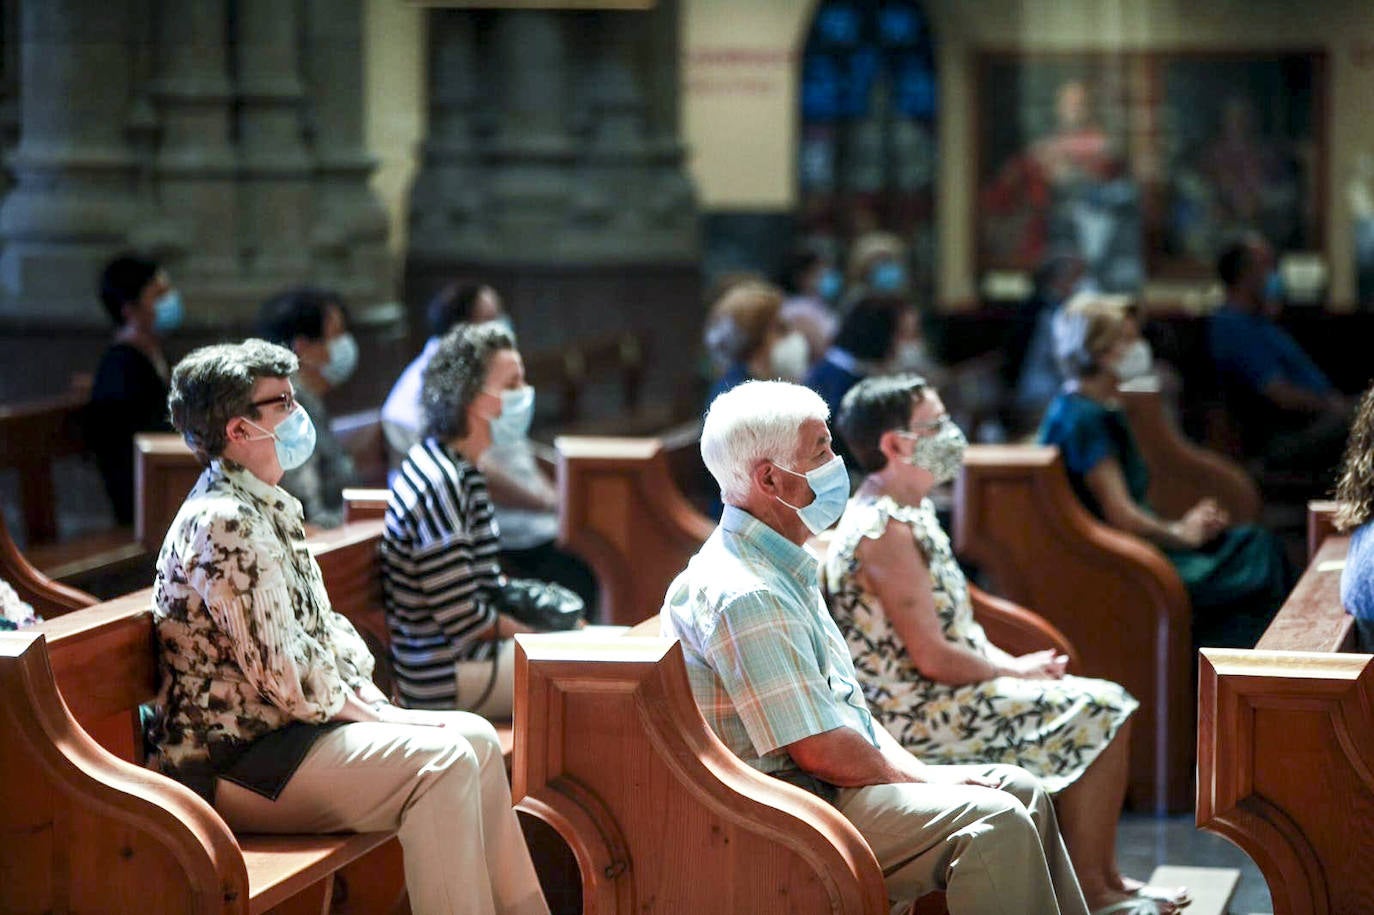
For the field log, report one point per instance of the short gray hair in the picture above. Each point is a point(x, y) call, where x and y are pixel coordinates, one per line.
point(752, 422)
point(214, 384)
point(455, 375)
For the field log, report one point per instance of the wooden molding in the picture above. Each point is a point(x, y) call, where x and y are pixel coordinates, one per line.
point(1286, 770)
point(622, 512)
point(612, 751)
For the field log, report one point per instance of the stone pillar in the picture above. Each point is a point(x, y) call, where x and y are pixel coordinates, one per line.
point(532, 151)
point(349, 234)
point(447, 200)
point(195, 166)
point(275, 166)
point(72, 203)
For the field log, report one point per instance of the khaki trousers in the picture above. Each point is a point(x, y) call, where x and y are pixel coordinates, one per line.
point(444, 791)
point(993, 852)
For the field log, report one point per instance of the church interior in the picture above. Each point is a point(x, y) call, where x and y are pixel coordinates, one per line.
point(662, 203)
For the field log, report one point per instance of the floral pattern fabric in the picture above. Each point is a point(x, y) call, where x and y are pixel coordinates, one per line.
point(248, 642)
point(1052, 728)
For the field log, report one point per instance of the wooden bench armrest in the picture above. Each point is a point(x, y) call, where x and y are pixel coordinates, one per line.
point(620, 510)
point(1018, 631)
point(1286, 770)
point(48, 598)
point(364, 504)
point(610, 747)
point(142, 842)
point(1182, 473)
point(1312, 618)
point(1321, 523)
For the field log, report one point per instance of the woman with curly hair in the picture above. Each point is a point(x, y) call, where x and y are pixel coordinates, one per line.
point(1355, 492)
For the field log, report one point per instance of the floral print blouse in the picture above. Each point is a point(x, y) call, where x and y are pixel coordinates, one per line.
point(248, 642)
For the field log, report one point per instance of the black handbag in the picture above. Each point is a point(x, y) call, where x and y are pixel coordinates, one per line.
point(541, 605)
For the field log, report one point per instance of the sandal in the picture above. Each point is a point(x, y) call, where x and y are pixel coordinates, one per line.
point(1177, 895)
point(1133, 905)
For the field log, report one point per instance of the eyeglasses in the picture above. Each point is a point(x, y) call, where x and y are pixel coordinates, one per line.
point(286, 399)
point(917, 430)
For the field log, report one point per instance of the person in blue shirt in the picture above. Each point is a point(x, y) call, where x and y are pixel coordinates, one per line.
point(1288, 411)
point(1237, 575)
point(1355, 493)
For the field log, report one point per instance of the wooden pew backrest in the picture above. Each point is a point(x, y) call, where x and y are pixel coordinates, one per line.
point(621, 511)
point(1114, 596)
point(164, 472)
point(611, 751)
point(32, 436)
point(1182, 473)
point(48, 598)
point(1321, 523)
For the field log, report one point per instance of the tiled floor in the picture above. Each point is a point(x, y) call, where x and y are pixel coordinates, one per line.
point(1145, 842)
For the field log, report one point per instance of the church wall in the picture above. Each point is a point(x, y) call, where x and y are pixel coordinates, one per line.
point(740, 109)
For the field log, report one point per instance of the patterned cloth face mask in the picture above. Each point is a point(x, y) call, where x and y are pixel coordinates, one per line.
point(295, 438)
point(830, 485)
point(941, 452)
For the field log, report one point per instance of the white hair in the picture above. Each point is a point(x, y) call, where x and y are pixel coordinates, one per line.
point(755, 421)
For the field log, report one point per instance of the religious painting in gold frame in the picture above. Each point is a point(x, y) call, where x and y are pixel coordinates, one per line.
point(1144, 163)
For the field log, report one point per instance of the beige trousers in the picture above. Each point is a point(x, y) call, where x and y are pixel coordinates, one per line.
point(993, 852)
point(444, 791)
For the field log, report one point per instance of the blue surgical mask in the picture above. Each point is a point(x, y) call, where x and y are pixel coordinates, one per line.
point(831, 285)
point(1273, 287)
point(517, 410)
point(343, 360)
point(888, 276)
point(830, 486)
point(295, 438)
point(168, 312)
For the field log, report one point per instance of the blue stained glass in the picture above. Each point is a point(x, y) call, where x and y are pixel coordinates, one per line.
point(838, 24)
point(914, 92)
point(820, 89)
point(899, 25)
point(864, 65)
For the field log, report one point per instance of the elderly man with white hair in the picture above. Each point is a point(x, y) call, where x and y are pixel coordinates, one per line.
point(773, 677)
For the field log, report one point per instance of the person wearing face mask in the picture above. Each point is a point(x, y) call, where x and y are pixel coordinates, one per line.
point(877, 265)
point(1287, 411)
point(267, 707)
point(932, 677)
point(1236, 576)
point(129, 391)
point(451, 647)
point(313, 325)
point(813, 285)
point(773, 678)
point(746, 333)
point(522, 493)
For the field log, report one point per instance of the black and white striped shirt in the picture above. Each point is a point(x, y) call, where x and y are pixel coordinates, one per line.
point(439, 566)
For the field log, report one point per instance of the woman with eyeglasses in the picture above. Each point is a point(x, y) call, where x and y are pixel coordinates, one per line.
point(267, 707)
point(930, 674)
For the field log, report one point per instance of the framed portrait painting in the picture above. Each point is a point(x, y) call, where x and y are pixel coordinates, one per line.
point(1144, 163)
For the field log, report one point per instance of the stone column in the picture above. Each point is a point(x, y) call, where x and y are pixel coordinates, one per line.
point(195, 166)
point(349, 233)
point(72, 204)
point(532, 151)
point(669, 211)
point(275, 166)
point(448, 198)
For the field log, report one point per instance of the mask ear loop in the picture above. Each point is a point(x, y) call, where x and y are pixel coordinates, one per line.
point(795, 508)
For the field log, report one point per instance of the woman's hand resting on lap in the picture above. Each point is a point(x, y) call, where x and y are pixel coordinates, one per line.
point(1203, 522)
point(1038, 665)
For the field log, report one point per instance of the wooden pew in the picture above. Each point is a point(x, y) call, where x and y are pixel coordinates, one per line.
point(48, 598)
point(1286, 748)
point(82, 824)
point(611, 751)
point(1182, 473)
point(1115, 596)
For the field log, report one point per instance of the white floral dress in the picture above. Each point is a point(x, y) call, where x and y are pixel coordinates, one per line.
point(1052, 728)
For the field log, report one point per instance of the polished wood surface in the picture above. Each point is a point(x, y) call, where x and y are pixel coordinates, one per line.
point(100, 664)
point(48, 598)
point(1114, 596)
point(32, 436)
point(1321, 523)
point(620, 510)
point(1286, 749)
point(164, 472)
point(1182, 473)
point(612, 752)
